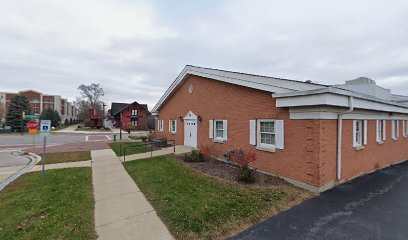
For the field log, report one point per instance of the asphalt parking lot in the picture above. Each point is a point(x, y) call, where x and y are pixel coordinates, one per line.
point(374, 206)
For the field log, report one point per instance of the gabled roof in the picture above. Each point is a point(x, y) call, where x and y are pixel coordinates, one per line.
point(117, 107)
point(270, 84)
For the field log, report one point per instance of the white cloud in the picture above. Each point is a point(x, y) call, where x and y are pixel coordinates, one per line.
point(135, 49)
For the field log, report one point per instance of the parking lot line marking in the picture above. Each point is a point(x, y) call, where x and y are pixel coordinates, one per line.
point(108, 137)
point(86, 138)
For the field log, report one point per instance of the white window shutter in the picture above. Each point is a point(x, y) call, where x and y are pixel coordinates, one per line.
point(403, 128)
point(354, 133)
point(365, 132)
point(161, 125)
point(158, 124)
point(169, 125)
point(384, 130)
point(225, 133)
point(279, 134)
point(252, 132)
point(175, 125)
point(210, 128)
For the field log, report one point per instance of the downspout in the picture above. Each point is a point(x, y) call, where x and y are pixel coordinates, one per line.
point(339, 134)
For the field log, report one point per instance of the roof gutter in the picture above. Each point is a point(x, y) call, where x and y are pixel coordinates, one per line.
point(339, 134)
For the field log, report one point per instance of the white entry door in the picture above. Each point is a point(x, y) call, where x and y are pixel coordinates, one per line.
point(190, 130)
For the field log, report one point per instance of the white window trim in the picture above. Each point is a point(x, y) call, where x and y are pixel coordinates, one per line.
point(380, 135)
point(219, 139)
point(405, 128)
point(173, 131)
point(263, 146)
point(359, 145)
point(395, 129)
point(133, 112)
point(161, 123)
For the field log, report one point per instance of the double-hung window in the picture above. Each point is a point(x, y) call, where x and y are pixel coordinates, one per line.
point(173, 126)
point(266, 133)
point(134, 112)
point(160, 124)
point(380, 131)
point(405, 128)
point(219, 130)
point(395, 129)
point(359, 133)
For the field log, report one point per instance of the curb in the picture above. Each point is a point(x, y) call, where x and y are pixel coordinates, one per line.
point(34, 159)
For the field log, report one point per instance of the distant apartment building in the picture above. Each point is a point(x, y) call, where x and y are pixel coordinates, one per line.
point(40, 101)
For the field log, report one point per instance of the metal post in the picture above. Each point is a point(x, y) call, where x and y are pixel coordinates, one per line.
point(120, 130)
point(174, 146)
point(43, 156)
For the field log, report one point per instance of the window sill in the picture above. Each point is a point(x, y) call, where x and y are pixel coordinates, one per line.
point(380, 142)
point(266, 149)
point(394, 139)
point(359, 148)
point(219, 141)
point(173, 133)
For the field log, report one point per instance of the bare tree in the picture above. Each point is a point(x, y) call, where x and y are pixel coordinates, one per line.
point(90, 99)
point(92, 93)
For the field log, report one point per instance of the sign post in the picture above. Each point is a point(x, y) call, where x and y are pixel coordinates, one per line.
point(45, 129)
point(32, 127)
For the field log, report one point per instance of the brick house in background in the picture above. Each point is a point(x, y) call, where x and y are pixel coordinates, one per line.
point(312, 135)
point(95, 118)
point(40, 101)
point(130, 115)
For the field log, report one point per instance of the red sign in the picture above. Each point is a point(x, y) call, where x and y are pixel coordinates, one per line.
point(32, 125)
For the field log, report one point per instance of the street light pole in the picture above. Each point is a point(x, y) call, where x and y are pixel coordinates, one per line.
point(103, 115)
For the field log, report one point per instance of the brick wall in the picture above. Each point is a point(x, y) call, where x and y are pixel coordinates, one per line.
point(217, 100)
point(310, 145)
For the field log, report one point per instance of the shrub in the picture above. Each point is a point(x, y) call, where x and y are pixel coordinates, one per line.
point(143, 138)
point(151, 136)
point(210, 152)
point(194, 156)
point(243, 159)
point(246, 175)
point(163, 142)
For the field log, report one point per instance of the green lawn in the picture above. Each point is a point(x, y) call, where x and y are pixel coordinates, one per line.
point(197, 206)
point(58, 205)
point(66, 157)
point(129, 151)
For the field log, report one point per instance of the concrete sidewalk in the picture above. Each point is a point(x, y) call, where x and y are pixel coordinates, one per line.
point(37, 168)
point(121, 210)
point(180, 149)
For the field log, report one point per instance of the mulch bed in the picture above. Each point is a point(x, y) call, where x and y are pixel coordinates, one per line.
point(228, 172)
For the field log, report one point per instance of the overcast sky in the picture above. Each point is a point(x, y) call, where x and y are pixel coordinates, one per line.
point(135, 49)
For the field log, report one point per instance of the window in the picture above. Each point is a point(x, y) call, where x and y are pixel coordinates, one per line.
point(395, 129)
point(36, 105)
point(380, 131)
point(173, 126)
point(36, 112)
point(219, 129)
point(359, 133)
point(161, 125)
point(134, 123)
point(405, 125)
point(134, 112)
point(266, 133)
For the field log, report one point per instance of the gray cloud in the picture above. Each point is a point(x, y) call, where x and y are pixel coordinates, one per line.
point(135, 49)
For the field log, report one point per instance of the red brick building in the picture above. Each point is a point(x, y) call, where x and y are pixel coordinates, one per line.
point(40, 101)
point(312, 135)
point(133, 115)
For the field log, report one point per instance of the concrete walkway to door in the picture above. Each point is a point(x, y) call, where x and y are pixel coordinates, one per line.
point(121, 210)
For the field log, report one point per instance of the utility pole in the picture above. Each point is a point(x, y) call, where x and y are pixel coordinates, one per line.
point(103, 115)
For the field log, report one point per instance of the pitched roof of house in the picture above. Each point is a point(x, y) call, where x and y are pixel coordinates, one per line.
point(117, 107)
point(287, 88)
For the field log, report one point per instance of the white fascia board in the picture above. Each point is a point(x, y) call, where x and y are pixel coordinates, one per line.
point(333, 99)
point(313, 100)
point(328, 113)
